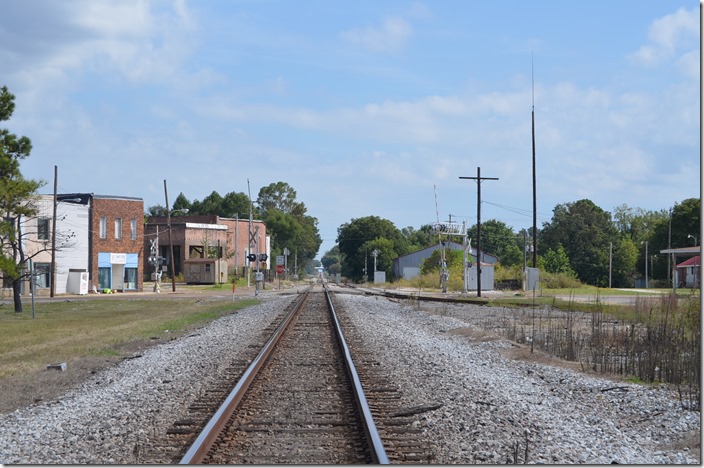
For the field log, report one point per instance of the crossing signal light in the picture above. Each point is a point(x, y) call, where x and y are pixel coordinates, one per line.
point(252, 257)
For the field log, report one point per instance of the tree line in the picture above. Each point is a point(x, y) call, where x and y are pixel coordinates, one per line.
point(581, 240)
point(287, 219)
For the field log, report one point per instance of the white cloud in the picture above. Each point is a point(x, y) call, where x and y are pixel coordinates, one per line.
point(670, 36)
point(390, 37)
point(138, 41)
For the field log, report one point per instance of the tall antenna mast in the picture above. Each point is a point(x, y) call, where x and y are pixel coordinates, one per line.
point(532, 118)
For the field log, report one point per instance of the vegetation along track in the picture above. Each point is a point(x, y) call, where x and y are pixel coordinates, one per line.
point(300, 400)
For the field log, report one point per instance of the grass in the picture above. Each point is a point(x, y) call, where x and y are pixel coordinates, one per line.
point(63, 331)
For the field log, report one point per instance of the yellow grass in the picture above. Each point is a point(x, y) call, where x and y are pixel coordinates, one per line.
point(63, 331)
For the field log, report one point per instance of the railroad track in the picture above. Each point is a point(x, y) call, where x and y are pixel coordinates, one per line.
point(299, 401)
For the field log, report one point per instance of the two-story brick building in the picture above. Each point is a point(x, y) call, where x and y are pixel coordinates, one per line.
point(117, 243)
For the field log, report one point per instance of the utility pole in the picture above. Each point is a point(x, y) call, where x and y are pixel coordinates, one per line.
point(52, 275)
point(479, 180)
point(171, 243)
point(251, 236)
point(532, 119)
point(237, 251)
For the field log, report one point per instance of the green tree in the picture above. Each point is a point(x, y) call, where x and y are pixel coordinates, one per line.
point(636, 223)
point(453, 261)
point(17, 201)
point(331, 260)
point(557, 261)
point(585, 231)
point(351, 240)
point(280, 196)
point(182, 203)
point(386, 254)
point(287, 222)
point(418, 239)
point(235, 205)
point(499, 239)
point(156, 210)
point(625, 253)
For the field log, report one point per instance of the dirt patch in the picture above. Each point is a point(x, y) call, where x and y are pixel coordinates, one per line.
point(45, 385)
point(520, 352)
point(474, 334)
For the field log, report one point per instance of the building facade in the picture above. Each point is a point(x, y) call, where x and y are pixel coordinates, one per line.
point(97, 244)
point(69, 248)
point(206, 249)
point(117, 243)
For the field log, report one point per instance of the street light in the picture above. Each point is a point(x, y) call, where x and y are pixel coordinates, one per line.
point(690, 236)
point(646, 264)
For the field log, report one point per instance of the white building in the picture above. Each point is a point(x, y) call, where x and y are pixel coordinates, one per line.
point(72, 245)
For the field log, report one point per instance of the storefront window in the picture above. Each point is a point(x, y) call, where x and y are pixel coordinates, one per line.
point(104, 280)
point(130, 278)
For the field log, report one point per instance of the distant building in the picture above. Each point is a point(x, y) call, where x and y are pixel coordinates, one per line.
point(408, 266)
point(206, 248)
point(686, 274)
point(689, 273)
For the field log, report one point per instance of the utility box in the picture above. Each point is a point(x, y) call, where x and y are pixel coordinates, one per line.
point(77, 282)
point(487, 277)
point(379, 277)
point(532, 279)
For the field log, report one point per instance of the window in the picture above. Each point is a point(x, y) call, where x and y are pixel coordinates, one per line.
point(103, 227)
point(43, 228)
point(130, 278)
point(118, 228)
point(133, 229)
point(104, 278)
point(42, 274)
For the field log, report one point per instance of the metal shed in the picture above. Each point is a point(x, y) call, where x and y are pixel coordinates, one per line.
point(205, 271)
point(408, 266)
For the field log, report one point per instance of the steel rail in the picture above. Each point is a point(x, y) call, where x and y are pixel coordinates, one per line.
point(199, 449)
point(376, 447)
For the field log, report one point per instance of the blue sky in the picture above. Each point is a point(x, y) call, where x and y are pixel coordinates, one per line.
point(362, 107)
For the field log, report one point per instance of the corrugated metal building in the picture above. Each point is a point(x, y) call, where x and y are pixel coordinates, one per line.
point(408, 266)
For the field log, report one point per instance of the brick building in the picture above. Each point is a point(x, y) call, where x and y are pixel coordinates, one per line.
point(115, 240)
point(198, 243)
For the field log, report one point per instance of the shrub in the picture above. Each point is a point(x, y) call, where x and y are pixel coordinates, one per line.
point(559, 280)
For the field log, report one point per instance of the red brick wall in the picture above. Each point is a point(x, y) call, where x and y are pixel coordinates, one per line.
point(113, 208)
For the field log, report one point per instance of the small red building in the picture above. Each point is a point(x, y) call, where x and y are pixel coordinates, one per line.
point(689, 272)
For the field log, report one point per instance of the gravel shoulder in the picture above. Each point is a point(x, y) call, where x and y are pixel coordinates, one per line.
point(497, 409)
point(495, 405)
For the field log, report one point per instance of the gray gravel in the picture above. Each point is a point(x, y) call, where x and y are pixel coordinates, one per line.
point(492, 407)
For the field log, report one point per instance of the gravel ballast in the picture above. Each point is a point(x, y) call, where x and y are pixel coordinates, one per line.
point(493, 409)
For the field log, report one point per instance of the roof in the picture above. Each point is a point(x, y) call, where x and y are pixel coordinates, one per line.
point(694, 261)
point(683, 250)
point(450, 245)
